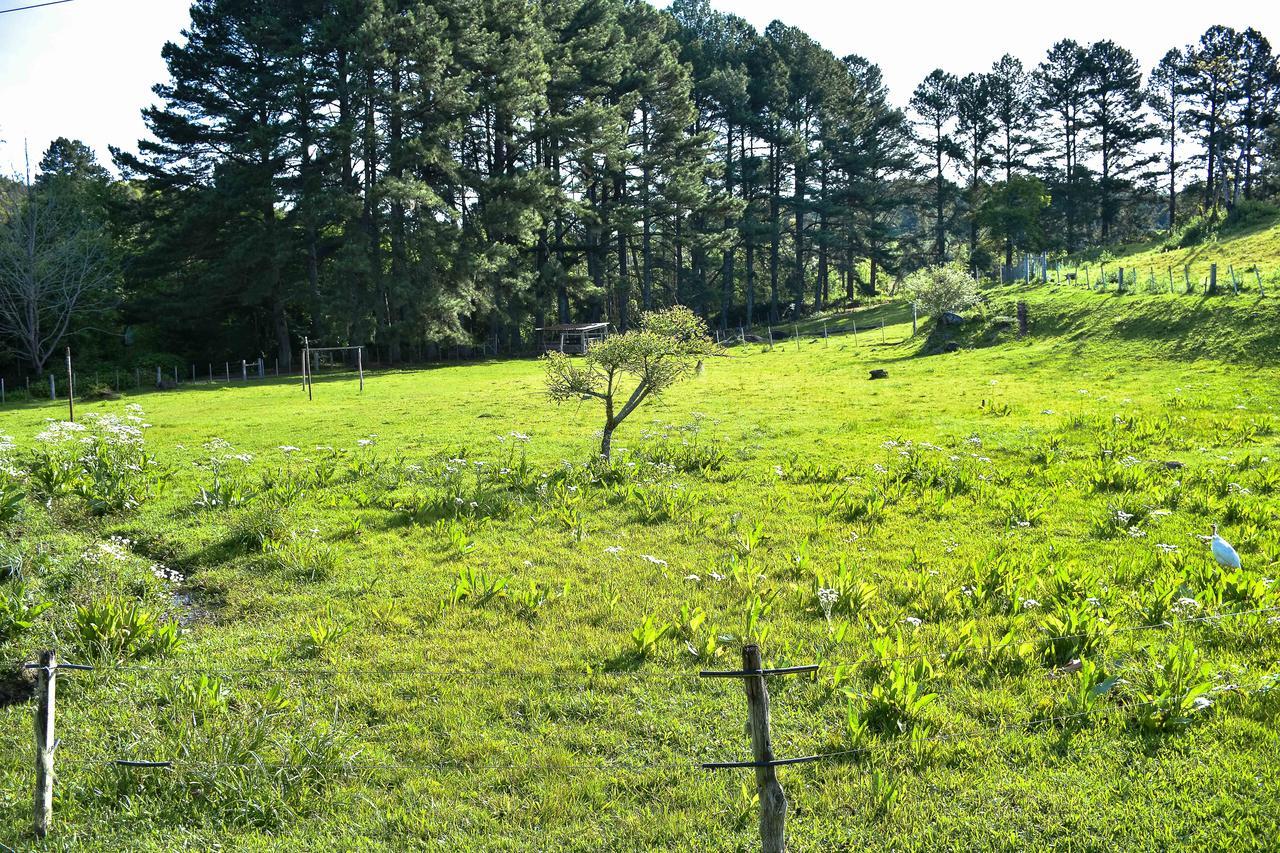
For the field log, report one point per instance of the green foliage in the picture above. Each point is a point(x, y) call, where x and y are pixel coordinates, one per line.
point(1174, 688)
point(18, 610)
point(646, 636)
point(477, 588)
point(946, 287)
point(115, 630)
point(896, 703)
point(260, 525)
point(12, 496)
point(301, 557)
point(654, 357)
point(325, 630)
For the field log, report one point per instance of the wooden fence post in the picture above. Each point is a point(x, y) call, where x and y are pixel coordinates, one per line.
point(1262, 291)
point(1213, 279)
point(770, 337)
point(773, 802)
point(360, 366)
point(46, 741)
point(71, 390)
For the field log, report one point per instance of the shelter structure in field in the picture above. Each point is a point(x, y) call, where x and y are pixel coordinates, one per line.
point(572, 338)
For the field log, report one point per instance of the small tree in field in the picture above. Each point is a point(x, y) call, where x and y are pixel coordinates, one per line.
point(625, 370)
point(946, 287)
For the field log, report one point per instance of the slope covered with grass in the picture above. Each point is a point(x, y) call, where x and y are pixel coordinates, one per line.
point(423, 617)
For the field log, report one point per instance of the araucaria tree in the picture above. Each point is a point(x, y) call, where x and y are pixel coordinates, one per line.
point(625, 370)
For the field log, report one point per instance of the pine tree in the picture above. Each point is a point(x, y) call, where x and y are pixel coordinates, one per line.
point(974, 130)
point(934, 103)
point(1118, 128)
point(224, 135)
point(1061, 82)
point(1165, 95)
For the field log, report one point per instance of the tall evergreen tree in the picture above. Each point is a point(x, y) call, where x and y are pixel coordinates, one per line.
point(1061, 82)
point(1117, 126)
point(934, 103)
point(975, 129)
point(1166, 95)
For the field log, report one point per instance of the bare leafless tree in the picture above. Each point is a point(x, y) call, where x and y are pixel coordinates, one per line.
point(55, 265)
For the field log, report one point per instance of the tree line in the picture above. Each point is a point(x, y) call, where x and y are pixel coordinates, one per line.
point(416, 174)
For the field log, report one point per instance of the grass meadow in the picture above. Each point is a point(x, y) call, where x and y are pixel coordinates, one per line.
point(424, 617)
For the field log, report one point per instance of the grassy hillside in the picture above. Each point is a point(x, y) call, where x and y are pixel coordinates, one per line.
point(1252, 248)
point(420, 617)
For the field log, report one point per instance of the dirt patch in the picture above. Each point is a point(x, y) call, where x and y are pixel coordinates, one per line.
point(17, 685)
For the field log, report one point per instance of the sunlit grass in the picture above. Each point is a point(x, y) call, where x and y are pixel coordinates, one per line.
point(418, 628)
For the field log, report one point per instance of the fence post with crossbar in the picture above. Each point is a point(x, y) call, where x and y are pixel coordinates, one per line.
point(46, 742)
point(773, 801)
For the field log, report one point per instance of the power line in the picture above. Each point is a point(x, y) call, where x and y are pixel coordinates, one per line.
point(33, 6)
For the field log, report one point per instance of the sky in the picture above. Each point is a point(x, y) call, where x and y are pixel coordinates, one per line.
point(85, 68)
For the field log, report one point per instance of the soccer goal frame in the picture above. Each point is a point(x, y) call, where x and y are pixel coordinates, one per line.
point(310, 353)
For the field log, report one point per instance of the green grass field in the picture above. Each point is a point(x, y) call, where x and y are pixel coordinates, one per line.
point(421, 630)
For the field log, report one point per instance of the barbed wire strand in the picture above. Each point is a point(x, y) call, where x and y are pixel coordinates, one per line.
point(982, 733)
point(251, 670)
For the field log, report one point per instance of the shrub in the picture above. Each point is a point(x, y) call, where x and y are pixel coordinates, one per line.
point(946, 287)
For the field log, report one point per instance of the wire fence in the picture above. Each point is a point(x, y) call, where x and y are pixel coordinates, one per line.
point(249, 670)
point(1201, 276)
point(762, 760)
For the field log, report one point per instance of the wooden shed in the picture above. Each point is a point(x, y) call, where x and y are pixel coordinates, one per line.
point(572, 338)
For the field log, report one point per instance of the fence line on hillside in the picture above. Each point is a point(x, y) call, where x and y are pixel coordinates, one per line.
point(1209, 277)
point(753, 674)
point(246, 371)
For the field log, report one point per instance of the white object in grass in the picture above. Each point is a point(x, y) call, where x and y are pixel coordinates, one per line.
point(1223, 552)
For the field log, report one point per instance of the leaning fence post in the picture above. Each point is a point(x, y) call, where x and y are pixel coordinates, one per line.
point(1262, 291)
point(773, 802)
point(46, 742)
